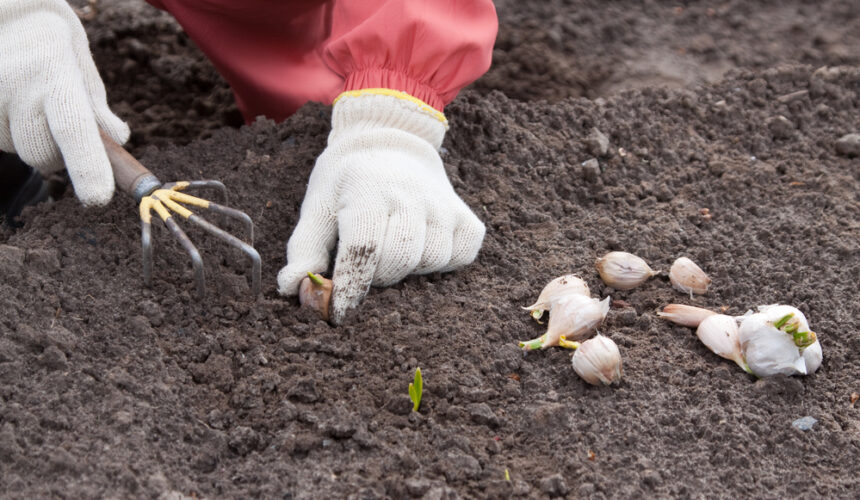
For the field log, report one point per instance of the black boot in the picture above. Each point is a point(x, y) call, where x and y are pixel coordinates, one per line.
point(20, 185)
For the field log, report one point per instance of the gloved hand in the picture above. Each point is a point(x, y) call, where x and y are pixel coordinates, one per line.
point(381, 188)
point(52, 100)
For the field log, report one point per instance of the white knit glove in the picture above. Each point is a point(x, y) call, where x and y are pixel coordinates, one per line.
point(52, 100)
point(380, 186)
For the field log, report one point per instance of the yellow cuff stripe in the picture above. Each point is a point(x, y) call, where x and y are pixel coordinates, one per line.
point(423, 106)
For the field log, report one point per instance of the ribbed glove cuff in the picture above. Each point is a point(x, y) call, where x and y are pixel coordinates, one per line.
point(10, 10)
point(373, 109)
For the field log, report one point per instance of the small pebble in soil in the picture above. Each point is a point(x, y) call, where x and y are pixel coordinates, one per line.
point(590, 170)
point(780, 127)
point(597, 143)
point(848, 145)
point(804, 423)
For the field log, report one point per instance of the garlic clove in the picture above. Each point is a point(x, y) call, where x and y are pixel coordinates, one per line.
point(720, 334)
point(769, 352)
point(598, 361)
point(783, 316)
point(573, 317)
point(623, 271)
point(315, 293)
point(576, 317)
point(556, 289)
point(688, 277)
point(685, 315)
point(774, 341)
point(812, 357)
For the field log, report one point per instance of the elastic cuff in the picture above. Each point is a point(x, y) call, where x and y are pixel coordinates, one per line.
point(375, 109)
point(379, 78)
point(422, 106)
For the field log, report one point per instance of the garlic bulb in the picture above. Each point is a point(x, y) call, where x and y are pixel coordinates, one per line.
point(556, 289)
point(598, 361)
point(685, 315)
point(687, 277)
point(574, 316)
point(623, 271)
point(315, 293)
point(777, 340)
point(720, 334)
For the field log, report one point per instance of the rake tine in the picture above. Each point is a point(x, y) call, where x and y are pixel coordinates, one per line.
point(196, 260)
point(147, 205)
point(218, 185)
point(235, 214)
point(183, 185)
point(146, 240)
point(256, 263)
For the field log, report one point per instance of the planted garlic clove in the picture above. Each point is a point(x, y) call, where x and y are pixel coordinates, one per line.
point(688, 277)
point(720, 334)
point(555, 290)
point(775, 341)
point(685, 315)
point(623, 271)
point(598, 361)
point(573, 317)
point(315, 293)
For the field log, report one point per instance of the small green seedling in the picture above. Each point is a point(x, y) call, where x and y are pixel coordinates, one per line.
point(415, 390)
point(507, 475)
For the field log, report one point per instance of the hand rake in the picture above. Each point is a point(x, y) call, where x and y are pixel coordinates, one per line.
point(167, 199)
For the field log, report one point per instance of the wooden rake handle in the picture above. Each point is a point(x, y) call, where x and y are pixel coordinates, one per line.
point(130, 175)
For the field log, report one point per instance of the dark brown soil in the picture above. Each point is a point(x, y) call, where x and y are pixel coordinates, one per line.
point(552, 49)
point(109, 389)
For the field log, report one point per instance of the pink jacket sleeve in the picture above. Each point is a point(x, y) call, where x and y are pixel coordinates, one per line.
point(428, 49)
point(277, 55)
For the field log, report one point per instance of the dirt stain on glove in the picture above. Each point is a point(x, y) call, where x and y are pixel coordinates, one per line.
point(353, 274)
